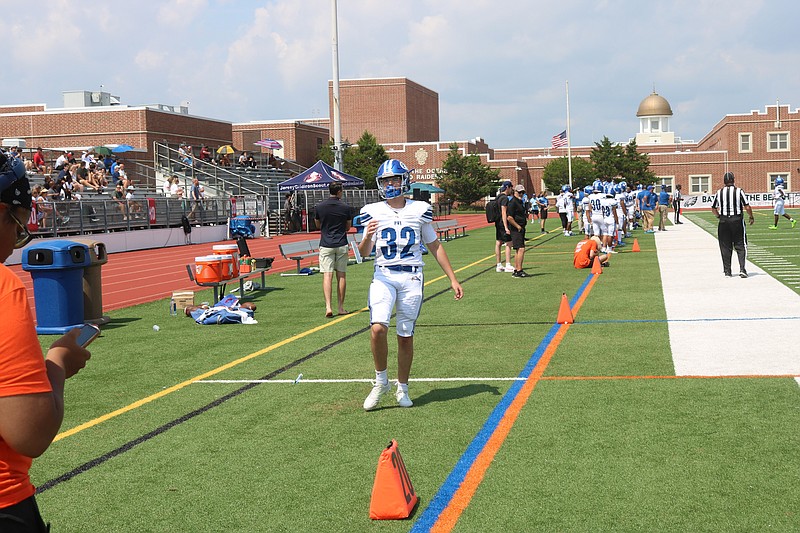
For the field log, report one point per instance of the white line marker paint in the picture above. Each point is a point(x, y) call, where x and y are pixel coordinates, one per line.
point(359, 380)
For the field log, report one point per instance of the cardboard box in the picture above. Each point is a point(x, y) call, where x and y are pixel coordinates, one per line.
point(183, 299)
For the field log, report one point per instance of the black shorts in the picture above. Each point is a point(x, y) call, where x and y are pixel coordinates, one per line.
point(543, 213)
point(500, 233)
point(517, 238)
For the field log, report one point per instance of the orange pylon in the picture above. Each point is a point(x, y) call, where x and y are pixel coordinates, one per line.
point(635, 247)
point(393, 496)
point(564, 311)
point(596, 267)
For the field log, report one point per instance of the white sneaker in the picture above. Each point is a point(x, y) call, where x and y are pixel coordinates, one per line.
point(509, 268)
point(499, 268)
point(402, 398)
point(374, 398)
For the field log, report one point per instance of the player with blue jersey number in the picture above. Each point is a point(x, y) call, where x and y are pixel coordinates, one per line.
point(396, 228)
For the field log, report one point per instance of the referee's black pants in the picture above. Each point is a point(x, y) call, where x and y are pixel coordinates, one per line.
point(731, 235)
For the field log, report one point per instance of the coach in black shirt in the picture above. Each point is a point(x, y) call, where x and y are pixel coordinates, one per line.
point(334, 218)
point(727, 207)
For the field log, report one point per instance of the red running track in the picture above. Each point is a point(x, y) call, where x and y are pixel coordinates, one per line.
point(131, 278)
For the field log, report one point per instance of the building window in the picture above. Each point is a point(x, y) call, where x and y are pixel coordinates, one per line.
point(699, 184)
point(746, 142)
point(776, 175)
point(654, 126)
point(778, 141)
point(669, 181)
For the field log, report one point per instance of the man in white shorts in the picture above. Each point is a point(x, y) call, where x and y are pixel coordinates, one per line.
point(397, 227)
point(779, 197)
point(603, 215)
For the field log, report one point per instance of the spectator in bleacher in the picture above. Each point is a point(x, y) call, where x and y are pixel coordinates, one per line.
point(224, 161)
point(43, 208)
point(134, 207)
point(251, 162)
point(243, 159)
point(121, 176)
point(175, 189)
point(119, 199)
point(62, 160)
point(205, 154)
point(39, 163)
point(99, 176)
point(108, 162)
point(166, 186)
point(87, 156)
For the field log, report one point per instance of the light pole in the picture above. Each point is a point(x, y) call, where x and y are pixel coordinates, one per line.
point(338, 155)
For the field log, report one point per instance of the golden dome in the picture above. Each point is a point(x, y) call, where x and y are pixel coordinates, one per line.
point(654, 105)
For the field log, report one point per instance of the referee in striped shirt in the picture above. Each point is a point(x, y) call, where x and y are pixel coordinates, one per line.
point(727, 207)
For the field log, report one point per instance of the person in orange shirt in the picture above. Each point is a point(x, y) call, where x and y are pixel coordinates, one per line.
point(31, 386)
point(586, 251)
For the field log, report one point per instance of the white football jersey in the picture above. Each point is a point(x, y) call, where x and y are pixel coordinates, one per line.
point(779, 195)
point(400, 231)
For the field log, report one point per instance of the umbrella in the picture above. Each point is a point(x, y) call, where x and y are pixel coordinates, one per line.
point(120, 148)
point(426, 187)
point(269, 143)
point(227, 149)
point(101, 150)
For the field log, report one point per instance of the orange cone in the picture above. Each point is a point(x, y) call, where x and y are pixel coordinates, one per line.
point(635, 247)
point(564, 312)
point(393, 496)
point(596, 267)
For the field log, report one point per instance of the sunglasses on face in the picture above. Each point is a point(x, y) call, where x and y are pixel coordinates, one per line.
point(23, 235)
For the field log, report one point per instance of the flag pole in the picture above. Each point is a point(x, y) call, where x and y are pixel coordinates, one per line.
point(338, 155)
point(569, 147)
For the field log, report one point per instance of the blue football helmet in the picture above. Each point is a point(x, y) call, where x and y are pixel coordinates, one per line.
point(779, 181)
point(566, 188)
point(587, 189)
point(390, 169)
point(597, 186)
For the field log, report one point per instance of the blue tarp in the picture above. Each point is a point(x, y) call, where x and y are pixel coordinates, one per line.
point(319, 176)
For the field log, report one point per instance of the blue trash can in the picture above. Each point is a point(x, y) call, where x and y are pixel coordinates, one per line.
point(56, 268)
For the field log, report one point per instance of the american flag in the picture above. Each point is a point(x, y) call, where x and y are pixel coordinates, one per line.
point(560, 139)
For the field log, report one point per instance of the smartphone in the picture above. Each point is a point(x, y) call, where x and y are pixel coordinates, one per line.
point(88, 333)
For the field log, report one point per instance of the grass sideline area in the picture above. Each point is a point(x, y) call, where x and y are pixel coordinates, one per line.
point(608, 440)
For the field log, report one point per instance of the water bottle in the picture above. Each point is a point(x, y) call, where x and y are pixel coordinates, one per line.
point(173, 307)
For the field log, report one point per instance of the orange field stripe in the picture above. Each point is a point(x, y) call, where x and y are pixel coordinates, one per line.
point(463, 495)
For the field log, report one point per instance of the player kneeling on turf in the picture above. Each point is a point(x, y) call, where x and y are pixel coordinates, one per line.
point(396, 228)
point(586, 251)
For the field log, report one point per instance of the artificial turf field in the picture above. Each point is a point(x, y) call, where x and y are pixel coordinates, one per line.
point(608, 439)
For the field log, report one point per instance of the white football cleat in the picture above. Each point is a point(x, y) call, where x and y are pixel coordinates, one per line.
point(374, 398)
point(402, 398)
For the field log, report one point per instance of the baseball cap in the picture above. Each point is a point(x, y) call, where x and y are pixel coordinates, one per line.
point(520, 188)
point(505, 185)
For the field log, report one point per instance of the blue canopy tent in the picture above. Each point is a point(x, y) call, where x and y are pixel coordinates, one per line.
point(319, 176)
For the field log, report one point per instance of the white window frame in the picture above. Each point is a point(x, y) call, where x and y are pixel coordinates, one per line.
point(773, 175)
point(669, 181)
point(749, 136)
point(696, 183)
point(657, 123)
point(778, 135)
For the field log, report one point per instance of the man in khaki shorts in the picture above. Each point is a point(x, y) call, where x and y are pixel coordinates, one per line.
point(334, 218)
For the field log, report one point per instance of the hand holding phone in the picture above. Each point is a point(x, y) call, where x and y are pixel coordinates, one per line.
point(88, 333)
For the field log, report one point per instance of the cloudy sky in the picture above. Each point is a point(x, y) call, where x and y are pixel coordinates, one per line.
point(499, 66)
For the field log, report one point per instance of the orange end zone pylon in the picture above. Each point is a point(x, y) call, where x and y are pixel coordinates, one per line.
point(393, 495)
point(564, 311)
point(635, 247)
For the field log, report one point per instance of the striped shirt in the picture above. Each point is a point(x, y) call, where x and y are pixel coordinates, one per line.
point(729, 201)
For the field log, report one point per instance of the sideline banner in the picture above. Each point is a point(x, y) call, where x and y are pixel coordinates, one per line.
point(761, 199)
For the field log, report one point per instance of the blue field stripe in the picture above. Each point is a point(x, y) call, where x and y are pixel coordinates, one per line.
point(442, 498)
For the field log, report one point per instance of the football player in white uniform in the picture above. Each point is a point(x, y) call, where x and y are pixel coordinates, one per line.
point(397, 227)
point(622, 211)
point(779, 197)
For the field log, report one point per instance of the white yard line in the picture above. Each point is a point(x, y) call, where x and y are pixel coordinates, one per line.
point(354, 380)
point(695, 290)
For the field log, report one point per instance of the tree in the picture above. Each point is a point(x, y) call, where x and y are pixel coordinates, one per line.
point(608, 159)
point(556, 173)
point(464, 178)
point(636, 167)
point(360, 160)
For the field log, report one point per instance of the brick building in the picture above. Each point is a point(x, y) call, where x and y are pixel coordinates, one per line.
point(404, 116)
